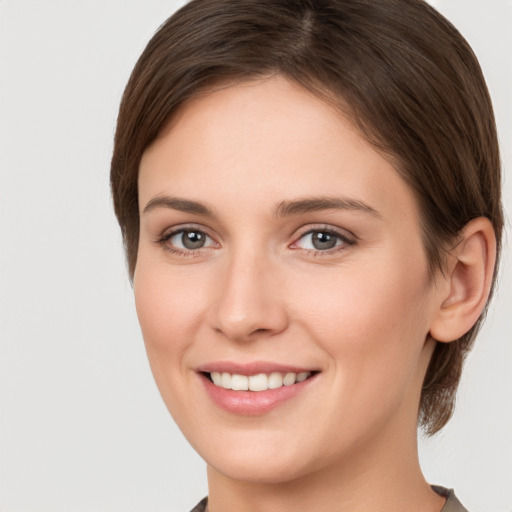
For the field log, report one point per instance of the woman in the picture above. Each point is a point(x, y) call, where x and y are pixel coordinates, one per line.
point(309, 194)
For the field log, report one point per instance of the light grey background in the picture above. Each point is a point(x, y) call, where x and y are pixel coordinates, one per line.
point(82, 427)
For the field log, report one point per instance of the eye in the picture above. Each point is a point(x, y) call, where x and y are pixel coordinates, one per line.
point(322, 240)
point(186, 240)
point(189, 240)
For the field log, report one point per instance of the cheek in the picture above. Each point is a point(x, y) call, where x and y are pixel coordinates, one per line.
point(373, 324)
point(365, 304)
point(168, 312)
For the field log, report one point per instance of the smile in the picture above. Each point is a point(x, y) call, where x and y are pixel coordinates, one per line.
point(254, 389)
point(258, 382)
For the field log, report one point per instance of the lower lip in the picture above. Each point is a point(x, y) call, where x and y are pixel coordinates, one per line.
point(253, 403)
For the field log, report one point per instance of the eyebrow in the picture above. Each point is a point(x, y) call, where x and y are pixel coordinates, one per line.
point(283, 209)
point(312, 204)
point(177, 203)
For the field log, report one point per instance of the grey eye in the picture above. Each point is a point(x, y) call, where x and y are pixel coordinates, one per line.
point(190, 239)
point(193, 239)
point(320, 240)
point(323, 241)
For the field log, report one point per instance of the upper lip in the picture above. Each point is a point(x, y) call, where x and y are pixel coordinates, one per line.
point(252, 368)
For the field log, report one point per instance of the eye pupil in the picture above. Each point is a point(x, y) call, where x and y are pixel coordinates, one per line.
point(193, 239)
point(322, 240)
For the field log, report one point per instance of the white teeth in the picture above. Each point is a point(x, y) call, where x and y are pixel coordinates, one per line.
point(216, 377)
point(289, 379)
point(302, 376)
point(275, 380)
point(225, 380)
point(259, 382)
point(240, 382)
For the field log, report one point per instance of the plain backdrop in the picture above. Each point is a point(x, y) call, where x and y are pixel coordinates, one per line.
point(82, 426)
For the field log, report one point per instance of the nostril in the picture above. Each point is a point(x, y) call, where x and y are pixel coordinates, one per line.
point(244, 320)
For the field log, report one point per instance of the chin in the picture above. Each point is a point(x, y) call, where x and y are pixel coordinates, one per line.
point(257, 460)
point(272, 469)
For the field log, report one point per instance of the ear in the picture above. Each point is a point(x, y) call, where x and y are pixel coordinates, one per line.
point(467, 281)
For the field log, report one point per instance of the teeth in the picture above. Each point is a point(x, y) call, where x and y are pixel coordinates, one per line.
point(225, 380)
point(289, 379)
point(240, 382)
point(259, 382)
point(302, 376)
point(275, 380)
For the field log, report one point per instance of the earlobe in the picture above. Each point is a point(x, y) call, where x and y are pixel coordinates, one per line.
point(468, 281)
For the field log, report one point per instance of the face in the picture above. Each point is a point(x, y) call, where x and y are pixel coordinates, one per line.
point(281, 284)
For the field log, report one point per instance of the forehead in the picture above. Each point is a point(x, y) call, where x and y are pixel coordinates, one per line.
point(263, 140)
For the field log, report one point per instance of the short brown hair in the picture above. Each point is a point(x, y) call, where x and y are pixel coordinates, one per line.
point(401, 72)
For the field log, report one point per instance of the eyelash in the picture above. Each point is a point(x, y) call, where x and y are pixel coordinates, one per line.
point(164, 239)
point(345, 240)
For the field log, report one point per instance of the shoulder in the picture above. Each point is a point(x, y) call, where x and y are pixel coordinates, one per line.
point(201, 506)
point(452, 503)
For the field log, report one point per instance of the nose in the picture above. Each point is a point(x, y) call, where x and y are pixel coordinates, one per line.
point(249, 303)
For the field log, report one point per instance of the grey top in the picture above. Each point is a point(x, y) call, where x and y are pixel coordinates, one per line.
point(201, 506)
point(452, 503)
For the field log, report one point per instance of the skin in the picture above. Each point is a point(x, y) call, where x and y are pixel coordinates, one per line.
point(360, 313)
